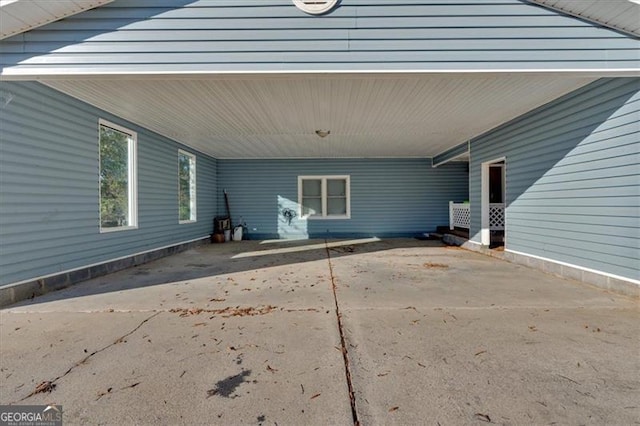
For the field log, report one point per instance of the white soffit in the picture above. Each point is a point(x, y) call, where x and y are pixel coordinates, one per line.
point(623, 15)
point(18, 16)
point(367, 115)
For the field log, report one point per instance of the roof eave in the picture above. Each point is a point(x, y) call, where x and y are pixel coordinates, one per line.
point(19, 16)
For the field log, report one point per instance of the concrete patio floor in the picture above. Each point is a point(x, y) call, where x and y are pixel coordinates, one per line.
point(251, 333)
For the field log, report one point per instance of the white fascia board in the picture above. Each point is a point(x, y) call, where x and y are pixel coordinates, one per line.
point(9, 74)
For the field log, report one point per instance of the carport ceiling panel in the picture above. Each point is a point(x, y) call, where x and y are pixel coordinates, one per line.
point(276, 117)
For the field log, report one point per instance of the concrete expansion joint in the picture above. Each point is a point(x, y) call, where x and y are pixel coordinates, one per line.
point(48, 385)
point(343, 343)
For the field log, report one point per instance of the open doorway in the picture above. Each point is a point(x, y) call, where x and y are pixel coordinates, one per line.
point(493, 203)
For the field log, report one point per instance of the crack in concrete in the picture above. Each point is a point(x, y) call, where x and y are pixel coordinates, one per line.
point(343, 344)
point(86, 358)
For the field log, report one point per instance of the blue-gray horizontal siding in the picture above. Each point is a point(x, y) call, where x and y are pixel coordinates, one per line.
point(49, 196)
point(389, 197)
point(451, 154)
point(243, 35)
point(573, 178)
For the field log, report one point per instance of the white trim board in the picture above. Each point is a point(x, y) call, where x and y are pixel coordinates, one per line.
point(456, 158)
point(582, 268)
point(11, 74)
point(468, 142)
point(621, 285)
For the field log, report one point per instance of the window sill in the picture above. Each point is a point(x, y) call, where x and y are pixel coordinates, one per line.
point(182, 222)
point(333, 217)
point(118, 229)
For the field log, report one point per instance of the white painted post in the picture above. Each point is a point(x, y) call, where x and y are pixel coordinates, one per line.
point(451, 224)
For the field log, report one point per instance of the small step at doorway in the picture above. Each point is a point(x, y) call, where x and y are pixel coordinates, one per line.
point(459, 232)
point(497, 237)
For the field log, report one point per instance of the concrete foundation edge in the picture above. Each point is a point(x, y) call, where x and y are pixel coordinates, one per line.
point(602, 281)
point(30, 289)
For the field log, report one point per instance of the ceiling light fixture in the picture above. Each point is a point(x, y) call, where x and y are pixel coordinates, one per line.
point(323, 133)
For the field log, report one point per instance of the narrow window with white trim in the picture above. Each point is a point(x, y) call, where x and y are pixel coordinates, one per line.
point(186, 186)
point(324, 197)
point(117, 175)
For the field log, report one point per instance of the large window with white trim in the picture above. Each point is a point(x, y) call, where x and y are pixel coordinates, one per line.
point(324, 197)
point(186, 186)
point(118, 198)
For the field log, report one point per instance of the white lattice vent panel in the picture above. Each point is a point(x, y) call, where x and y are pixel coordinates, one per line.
point(461, 217)
point(496, 217)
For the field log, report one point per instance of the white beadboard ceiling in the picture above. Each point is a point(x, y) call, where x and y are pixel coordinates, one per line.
point(623, 15)
point(18, 16)
point(367, 115)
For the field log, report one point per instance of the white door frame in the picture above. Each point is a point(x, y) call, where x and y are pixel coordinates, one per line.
point(485, 231)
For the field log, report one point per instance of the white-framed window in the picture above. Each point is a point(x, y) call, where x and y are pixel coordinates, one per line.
point(324, 197)
point(186, 187)
point(118, 177)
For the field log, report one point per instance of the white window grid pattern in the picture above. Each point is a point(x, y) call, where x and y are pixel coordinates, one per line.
point(323, 214)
